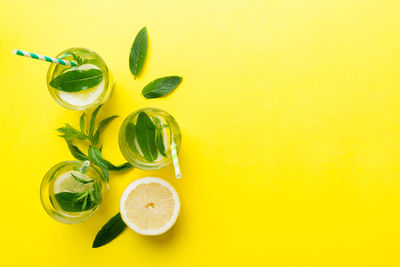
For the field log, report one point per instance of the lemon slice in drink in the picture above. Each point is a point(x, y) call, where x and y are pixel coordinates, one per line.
point(66, 183)
point(150, 206)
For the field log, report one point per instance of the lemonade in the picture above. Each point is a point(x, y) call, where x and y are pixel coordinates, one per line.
point(146, 136)
point(83, 86)
point(72, 192)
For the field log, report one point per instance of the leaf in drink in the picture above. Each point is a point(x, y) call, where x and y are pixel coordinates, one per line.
point(74, 202)
point(146, 136)
point(160, 142)
point(77, 80)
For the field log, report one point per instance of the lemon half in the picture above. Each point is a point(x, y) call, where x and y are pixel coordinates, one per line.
point(150, 206)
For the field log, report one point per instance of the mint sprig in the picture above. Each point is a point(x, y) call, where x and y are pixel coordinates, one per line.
point(80, 201)
point(70, 133)
point(91, 134)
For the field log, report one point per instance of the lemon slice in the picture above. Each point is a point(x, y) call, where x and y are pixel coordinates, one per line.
point(150, 206)
point(66, 183)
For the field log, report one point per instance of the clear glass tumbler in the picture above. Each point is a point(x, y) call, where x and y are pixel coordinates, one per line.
point(72, 191)
point(152, 151)
point(98, 87)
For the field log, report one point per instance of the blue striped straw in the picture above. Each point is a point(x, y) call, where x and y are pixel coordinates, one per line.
point(44, 58)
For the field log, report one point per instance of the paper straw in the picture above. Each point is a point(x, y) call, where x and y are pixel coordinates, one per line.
point(84, 166)
point(175, 161)
point(44, 58)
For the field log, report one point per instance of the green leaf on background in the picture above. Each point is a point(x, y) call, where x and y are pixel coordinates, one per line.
point(160, 142)
point(161, 86)
point(74, 202)
point(96, 157)
point(82, 122)
point(77, 80)
point(76, 152)
point(138, 52)
point(109, 231)
point(117, 168)
point(93, 119)
point(70, 133)
point(101, 127)
point(146, 136)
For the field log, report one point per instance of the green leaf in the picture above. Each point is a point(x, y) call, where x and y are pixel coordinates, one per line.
point(130, 135)
point(161, 86)
point(82, 122)
point(78, 59)
point(77, 80)
point(74, 202)
point(70, 133)
point(118, 168)
point(96, 157)
point(109, 231)
point(76, 152)
point(146, 136)
point(101, 127)
point(160, 142)
point(93, 119)
point(96, 192)
point(83, 181)
point(138, 52)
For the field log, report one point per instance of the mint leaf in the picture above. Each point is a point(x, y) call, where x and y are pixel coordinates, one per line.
point(76, 152)
point(118, 168)
point(77, 80)
point(70, 133)
point(93, 119)
point(78, 59)
point(96, 157)
point(82, 122)
point(101, 127)
point(160, 142)
point(83, 181)
point(109, 231)
point(161, 86)
point(75, 202)
point(130, 135)
point(138, 52)
point(146, 136)
point(96, 192)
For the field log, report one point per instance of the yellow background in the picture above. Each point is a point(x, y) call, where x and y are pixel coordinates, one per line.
point(289, 112)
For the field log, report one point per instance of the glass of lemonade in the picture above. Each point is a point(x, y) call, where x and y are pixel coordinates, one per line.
point(80, 87)
point(72, 191)
point(146, 136)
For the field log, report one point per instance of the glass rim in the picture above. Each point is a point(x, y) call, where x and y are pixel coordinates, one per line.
point(52, 66)
point(46, 201)
point(138, 163)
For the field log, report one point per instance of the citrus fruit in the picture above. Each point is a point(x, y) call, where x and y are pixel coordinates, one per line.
point(149, 206)
point(66, 183)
